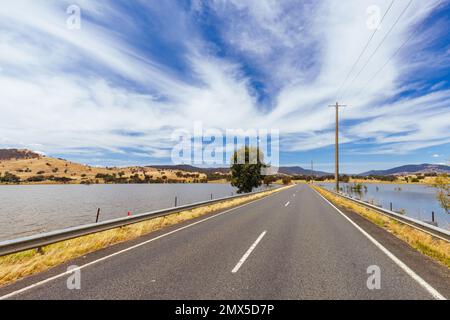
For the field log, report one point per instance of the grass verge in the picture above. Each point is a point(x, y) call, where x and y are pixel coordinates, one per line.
point(19, 265)
point(435, 248)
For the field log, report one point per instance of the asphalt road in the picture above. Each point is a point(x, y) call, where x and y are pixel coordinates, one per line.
point(291, 245)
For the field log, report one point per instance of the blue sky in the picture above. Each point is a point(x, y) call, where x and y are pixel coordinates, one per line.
point(112, 92)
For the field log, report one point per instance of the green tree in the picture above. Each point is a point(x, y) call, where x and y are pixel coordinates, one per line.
point(246, 166)
point(442, 185)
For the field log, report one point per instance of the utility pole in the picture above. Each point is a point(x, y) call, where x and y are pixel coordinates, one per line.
point(336, 152)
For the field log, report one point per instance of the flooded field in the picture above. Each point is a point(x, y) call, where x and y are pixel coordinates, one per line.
point(27, 210)
point(414, 200)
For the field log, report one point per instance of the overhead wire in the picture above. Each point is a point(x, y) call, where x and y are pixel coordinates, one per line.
point(379, 46)
point(364, 50)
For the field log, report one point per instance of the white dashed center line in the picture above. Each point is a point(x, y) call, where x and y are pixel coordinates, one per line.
point(247, 254)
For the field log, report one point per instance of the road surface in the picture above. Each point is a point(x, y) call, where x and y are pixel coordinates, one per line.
point(291, 245)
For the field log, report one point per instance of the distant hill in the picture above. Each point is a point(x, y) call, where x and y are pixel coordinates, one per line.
point(9, 154)
point(25, 166)
point(33, 167)
point(189, 168)
point(296, 170)
point(410, 169)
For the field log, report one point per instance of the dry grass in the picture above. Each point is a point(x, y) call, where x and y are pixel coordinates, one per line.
point(48, 166)
point(435, 248)
point(220, 181)
point(16, 266)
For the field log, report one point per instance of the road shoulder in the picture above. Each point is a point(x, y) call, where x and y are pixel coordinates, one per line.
point(431, 271)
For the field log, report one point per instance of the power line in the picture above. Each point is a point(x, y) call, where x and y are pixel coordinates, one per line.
point(364, 50)
point(387, 62)
point(413, 34)
point(379, 46)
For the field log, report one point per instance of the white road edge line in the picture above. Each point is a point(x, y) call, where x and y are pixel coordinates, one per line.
point(37, 284)
point(287, 204)
point(434, 293)
point(247, 254)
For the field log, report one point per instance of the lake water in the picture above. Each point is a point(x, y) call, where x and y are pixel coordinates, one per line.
point(27, 210)
point(417, 201)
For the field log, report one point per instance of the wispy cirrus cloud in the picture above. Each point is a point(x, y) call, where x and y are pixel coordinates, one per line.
point(149, 68)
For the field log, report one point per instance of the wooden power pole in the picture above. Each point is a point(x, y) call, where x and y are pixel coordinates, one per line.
point(336, 151)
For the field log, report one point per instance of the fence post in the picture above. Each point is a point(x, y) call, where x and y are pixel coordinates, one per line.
point(432, 216)
point(176, 201)
point(391, 206)
point(211, 196)
point(98, 215)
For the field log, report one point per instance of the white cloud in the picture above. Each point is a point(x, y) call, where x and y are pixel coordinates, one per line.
point(59, 87)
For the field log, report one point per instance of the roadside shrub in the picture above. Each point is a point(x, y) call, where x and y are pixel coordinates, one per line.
point(38, 178)
point(9, 178)
point(62, 179)
point(268, 180)
point(286, 180)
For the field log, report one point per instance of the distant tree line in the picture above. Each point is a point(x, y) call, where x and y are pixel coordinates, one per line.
point(12, 178)
point(114, 178)
point(343, 178)
point(180, 174)
point(137, 179)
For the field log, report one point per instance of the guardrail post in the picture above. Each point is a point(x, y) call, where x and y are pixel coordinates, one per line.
point(211, 196)
point(391, 206)
point(98, 215)
point(432, 216)
point(176, 201)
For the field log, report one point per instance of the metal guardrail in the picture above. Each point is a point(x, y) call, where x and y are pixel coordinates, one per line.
point(417, 224)
point(44, 239)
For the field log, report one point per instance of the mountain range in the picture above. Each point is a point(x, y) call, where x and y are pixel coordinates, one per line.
point(297, 170)
point(410, 169)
